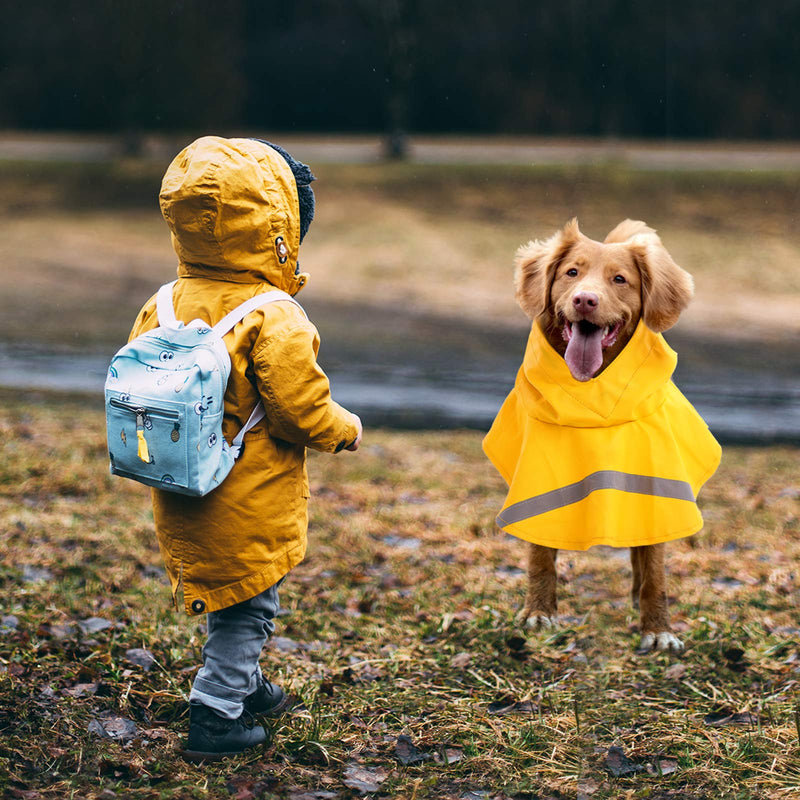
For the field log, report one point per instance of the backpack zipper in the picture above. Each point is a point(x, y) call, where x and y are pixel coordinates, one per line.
point(142, 413)
point(137, 409)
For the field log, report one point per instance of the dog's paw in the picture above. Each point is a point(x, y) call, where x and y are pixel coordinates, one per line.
point(664, 641)
point(537, 621)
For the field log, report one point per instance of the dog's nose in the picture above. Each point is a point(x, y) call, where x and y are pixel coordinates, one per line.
point(585, 302)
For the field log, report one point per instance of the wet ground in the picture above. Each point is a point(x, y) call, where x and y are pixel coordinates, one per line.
point(407, 370)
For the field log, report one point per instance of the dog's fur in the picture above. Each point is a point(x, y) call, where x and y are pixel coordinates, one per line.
point(570, 280)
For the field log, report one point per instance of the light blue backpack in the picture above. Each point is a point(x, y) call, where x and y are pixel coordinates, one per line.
point(164, 401)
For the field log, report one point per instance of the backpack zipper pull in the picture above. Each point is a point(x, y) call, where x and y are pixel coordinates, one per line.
point(142, 452)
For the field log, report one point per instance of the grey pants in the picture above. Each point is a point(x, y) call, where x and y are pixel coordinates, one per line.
point(230, 668)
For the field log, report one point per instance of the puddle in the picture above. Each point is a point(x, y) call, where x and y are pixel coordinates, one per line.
point(413, 372)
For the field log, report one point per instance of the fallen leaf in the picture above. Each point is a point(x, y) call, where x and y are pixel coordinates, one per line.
point(412, 499)
point(81, 690)
point(95, 624)
point(284, 644)
point(8, 623)
point(241, 788)
point(363, 780)
point(57, 631)
point(734, 656)
point(675, 671)
point(402, 542)
point(406, 752)
point(586, 788)
point(505, 706)
point(718, 719)
point(31, 574)
point(727, 582)
point(618, 764)
point(460, 660)
point(140, 657)
point(663, 766)
point(112, 727)
point(154, 734)
point(509, 571)
point(448, 755)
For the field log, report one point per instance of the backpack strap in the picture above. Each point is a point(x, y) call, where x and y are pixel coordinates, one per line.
point(258, 414)
point(164, 308)
point(226, 324)
point(167, 319)
point(240, 312)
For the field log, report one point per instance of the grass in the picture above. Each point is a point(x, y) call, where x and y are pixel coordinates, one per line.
point(398, 624)
point(83, 246)
point(398, 637)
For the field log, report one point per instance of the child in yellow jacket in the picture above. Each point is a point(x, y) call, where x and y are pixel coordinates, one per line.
point(238, 210)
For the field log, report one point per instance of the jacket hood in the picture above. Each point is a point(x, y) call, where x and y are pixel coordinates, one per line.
point(232, 207)
point(633, 386)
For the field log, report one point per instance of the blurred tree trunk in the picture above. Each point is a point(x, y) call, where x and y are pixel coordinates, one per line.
point(396, 23)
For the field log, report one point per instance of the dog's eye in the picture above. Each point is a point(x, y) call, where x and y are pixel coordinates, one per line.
point(572, 273)
point(619, 279)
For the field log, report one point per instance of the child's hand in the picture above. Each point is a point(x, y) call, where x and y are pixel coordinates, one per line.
point(357, 442)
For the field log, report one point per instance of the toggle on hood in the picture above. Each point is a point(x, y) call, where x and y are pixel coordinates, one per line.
point(232, 207)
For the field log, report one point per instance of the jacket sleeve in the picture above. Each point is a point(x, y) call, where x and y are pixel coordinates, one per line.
point(296, 392)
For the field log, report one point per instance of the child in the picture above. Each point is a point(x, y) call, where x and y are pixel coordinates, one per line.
point(238, 210)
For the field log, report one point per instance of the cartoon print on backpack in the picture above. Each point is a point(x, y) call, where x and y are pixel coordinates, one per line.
point(177, 400)
point(201, 406)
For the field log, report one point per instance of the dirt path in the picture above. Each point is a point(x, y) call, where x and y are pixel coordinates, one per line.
point(322, 148)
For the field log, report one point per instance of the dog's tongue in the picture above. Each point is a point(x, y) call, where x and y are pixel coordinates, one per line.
point(584, 354)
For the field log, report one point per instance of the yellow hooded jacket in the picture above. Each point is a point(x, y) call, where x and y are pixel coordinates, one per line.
point(616, 460)
point(232, 207)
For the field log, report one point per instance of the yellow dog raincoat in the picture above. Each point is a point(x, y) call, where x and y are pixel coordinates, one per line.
point(616, 460)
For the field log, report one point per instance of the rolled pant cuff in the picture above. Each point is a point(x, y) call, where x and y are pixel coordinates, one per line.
point(209, 694)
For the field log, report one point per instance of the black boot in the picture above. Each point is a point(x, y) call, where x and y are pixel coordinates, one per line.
point(212, 737)
point(268, 699)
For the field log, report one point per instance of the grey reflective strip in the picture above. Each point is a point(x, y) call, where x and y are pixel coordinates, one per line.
point(604, 479)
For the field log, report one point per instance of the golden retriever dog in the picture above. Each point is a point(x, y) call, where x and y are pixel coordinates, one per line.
point(588, 298)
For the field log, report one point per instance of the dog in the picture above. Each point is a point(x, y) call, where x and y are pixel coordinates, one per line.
point(588, 300)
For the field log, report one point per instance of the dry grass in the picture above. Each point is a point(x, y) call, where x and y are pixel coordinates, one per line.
point(83, 247)
point(399, 624)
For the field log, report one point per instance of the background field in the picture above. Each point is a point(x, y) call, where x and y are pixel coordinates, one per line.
point(398, 637)
point(83, 245)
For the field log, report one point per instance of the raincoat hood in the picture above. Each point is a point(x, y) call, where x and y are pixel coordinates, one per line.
point(632, 386)
point(616, 460)
point(232, 208)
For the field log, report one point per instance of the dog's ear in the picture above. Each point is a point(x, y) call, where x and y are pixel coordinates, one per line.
point(666, 288)
point(535, 266)
point(627, 229)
